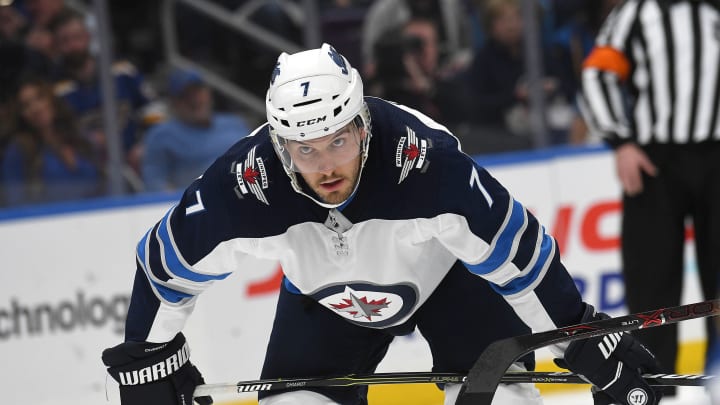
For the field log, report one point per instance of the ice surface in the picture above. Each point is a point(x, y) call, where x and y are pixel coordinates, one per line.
point(685, 396)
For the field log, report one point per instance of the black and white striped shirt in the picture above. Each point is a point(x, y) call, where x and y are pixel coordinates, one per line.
point(654, 74)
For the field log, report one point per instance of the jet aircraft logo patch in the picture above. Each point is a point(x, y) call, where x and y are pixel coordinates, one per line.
point(251, 177)
point(410, 153)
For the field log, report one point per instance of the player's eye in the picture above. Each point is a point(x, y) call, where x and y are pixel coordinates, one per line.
point(305, 150)
point(338, 142)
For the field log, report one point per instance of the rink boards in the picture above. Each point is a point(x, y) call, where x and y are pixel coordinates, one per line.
point(69, 268)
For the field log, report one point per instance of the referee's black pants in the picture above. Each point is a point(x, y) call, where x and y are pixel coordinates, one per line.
point(653, 236)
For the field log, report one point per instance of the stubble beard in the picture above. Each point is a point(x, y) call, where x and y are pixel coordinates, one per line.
point(336, 197)
point(339, 196)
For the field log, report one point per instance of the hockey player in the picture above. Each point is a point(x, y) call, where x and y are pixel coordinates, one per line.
point(382, 225)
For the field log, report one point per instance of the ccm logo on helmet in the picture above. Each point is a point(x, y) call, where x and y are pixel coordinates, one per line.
point(311, 121)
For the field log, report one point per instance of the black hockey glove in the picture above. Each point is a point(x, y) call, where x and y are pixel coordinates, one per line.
point(154, 373)
point(614, 364)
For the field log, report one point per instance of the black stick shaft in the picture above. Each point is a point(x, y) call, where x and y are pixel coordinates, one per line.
point(429, 378)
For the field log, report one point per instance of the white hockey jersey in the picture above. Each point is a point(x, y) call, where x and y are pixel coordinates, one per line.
point(421, 205)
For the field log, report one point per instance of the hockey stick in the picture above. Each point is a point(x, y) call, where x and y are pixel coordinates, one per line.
point(487, 372)
point(422, 377)
point(490, 368)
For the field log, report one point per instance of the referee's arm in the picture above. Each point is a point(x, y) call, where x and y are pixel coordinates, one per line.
point(605, 71)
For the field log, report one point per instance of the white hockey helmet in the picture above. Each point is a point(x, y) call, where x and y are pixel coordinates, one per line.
point(314, 94)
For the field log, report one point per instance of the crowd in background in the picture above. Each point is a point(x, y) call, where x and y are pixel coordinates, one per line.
point(460, 62)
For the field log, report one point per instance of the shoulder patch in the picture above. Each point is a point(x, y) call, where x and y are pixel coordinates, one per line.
point(252, 177)
point(410, 153)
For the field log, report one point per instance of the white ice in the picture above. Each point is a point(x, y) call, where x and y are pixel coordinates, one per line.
point(685, 396)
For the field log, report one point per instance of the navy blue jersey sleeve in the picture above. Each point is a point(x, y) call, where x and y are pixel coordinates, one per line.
point(170, 269)
point(500, 240)
point(202, 239)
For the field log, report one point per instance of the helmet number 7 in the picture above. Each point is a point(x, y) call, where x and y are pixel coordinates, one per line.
point(305, 86)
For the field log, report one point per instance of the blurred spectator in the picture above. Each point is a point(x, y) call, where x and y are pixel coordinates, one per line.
point(7, 128)
point(137, 33)
point(450, 16)
point(341, 25)
point(47, 160)
point(408, 71)
point(179, 150)
point(7, 123)
point(498, 90)
point(16, 57)
point(81, 88)
point(571, 43)
point(41, 13)
point(16, 60)
point(547, 18)
point(12, 23)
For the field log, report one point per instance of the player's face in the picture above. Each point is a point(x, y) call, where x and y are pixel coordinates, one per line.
point(507, 27)
point(330, 165)
point(35, 107)
point(195, 105)
point(73, 42)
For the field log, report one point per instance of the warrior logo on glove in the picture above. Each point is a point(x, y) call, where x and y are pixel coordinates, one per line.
point(158, 370)
point(638, 396)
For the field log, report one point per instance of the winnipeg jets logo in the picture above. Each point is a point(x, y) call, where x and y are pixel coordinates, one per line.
point(361, 307)
point(275, 73)
point(338, 59)
point(251, 176)
point(410, 153)
point(369, 305)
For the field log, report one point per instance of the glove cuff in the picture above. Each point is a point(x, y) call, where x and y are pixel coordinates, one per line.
point(134, 363)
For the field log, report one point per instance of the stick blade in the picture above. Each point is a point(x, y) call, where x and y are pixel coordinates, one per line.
point(484, 376)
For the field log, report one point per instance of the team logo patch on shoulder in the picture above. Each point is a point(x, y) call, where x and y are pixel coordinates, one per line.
point(368, 304)
point(410, 153)
point(252, 177)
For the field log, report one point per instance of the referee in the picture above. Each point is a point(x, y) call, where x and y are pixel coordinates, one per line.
point(651, 86)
